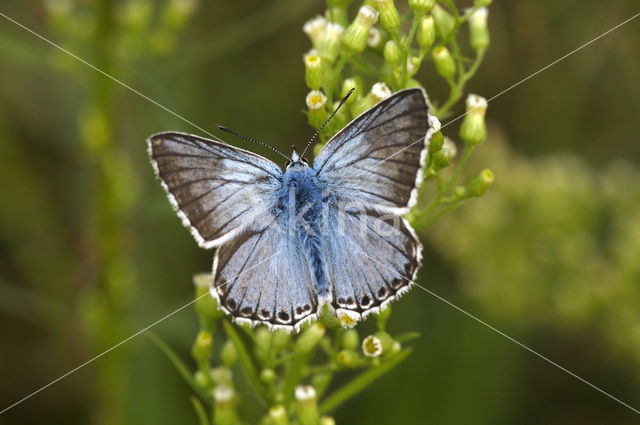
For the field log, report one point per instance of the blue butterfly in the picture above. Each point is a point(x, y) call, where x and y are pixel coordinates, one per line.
point(290, 242)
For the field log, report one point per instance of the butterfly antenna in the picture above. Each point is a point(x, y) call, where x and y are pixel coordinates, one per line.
point(344, 99)
point(249, 139)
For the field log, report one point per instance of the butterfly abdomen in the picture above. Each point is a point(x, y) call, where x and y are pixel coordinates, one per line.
point(301, 199)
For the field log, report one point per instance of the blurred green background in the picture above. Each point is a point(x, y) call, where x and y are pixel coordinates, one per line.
point(91, 252)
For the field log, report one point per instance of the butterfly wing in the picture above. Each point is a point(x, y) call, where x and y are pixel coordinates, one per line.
point(215, 188)
point(384, 258)
point(260, 276)
point(377, 160)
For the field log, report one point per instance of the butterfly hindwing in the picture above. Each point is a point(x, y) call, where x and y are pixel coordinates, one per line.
point(216, 189)
point(384, 258)
point(378, 158)
point(260, 276)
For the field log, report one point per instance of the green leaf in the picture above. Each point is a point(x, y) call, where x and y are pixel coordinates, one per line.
point(361, 382)
point(200, 411)
point(245, 360)
point(180, 366)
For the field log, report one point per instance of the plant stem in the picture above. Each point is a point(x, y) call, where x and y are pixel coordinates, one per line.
point(361, 382)
point(245, 360)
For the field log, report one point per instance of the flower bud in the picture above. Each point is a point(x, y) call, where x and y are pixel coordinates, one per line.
point(391, 52)
point(460, 192)
point(268, 376)
point(177, 12)
point(413, 64)
point(350, 339)
point(316, 101)
point(347, 319)
point(442, 158)
point(315, 28)
point(480, 184)
point(385, 340)
point(422, 6)
point(202, 347)
point(443, 61)
point(372, 346)
point(327, 420)
point(278, 415)
point(348, 358)
point(222, 376)
point(224, 411)
point(450, 144)
point(310, 338)
point(379, 91)
point(426, 31)
point(474, 129)
point(356, 35)
point(436, 142)
point(444, 21)
point(281, 339)
point(228, 354)
point(202, 379)
point(389, 18)
point(383, 315)
point(478, 31)
point(375, 38)
point(206, 306)
point(352, 83)
point(313, 71)
point(307, 405)
point(329, 42)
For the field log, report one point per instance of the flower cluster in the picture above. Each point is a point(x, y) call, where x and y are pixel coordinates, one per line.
point(292, 375)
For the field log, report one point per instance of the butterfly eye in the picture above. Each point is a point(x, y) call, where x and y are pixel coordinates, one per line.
point(305, 161)
point(289, 164)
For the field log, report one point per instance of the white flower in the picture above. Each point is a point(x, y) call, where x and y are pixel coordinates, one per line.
point(380, 91)
point(476, 103)
point(372, 346)
point(367, 16)
point(479, 17)
point(305, 392)
point(375, 38)
point(316, 100)
point(315, 28)
point(222, 393)
point(450, 144)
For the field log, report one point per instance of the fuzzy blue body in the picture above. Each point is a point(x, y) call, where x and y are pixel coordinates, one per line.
point(302, 202)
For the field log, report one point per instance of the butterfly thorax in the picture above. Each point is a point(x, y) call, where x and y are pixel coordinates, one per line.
point(300, 204)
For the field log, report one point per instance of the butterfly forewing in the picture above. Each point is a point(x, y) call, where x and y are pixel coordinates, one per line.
point(377, 159)
point(216, 189)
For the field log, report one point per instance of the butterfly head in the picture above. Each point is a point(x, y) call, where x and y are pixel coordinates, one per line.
point(296, 160)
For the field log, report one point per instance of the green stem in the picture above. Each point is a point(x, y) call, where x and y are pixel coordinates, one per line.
point(436, 216)
point(407, 47)
point(182, 369)
point(199, 408)
point(245, 360)
point(361, 382)
point(458, 170)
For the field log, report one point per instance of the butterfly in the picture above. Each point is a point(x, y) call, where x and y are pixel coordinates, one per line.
point(289, 242)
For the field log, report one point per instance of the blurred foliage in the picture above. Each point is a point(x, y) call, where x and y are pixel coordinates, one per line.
point(557, 245)
point(551, 247)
